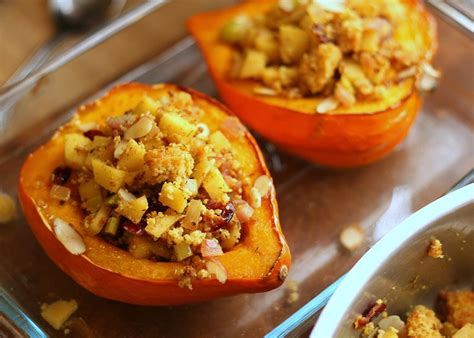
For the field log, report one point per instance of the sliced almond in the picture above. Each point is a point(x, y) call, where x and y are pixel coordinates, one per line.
point(69, 237)
point(327, 105)
point(265, 91)
point(352, 237)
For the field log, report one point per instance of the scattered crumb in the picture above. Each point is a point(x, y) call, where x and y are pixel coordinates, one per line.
point(67, 331)
point(58, 312)
point(352, 237)
point(7, 208)
point(293, 293)
point(435, 249)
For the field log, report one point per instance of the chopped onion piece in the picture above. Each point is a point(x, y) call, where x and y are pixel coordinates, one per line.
point(125, 195)
point(263, 184)
point(326, 105)
point(141, 128)
point(391, 321)
point(193, 215)
point(243, 212)
point(211, 248)
point(69, 237)
point(216, 268)
point(60, 193)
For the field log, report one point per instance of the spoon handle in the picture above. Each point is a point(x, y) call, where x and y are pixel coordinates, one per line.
point(38, 59)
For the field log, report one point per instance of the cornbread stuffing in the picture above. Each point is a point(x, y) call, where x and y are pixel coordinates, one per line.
point(160, 184)
point(435, 249)
point(347, 51)
point(456, 319)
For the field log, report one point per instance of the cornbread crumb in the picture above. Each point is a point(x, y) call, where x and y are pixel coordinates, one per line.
point(7, 208)
point(423, 323)
point(435, 249)
point(459, 306)
point(293, 292)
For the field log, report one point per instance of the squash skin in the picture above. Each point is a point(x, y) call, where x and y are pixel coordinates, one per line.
point(343, 139)
point(112, 273)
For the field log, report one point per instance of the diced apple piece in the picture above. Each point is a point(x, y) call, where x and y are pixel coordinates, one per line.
point(142, 247)
point(106, 176)
point(133, 158)
point(147, 105)
point(58, 312)
point(253, 65)
point(100, 141)
point(97, 222)
point(235, 229)
point(293, 43)
point(267, 43)
point(134, 209)
point(104, 153)
point(89, 189)
point(219, 141)
point(215, 185)
point(202, 169)
point(176, 128)
point(182, 251)
point(173, 197)
point(157, 226)
point(76, 148)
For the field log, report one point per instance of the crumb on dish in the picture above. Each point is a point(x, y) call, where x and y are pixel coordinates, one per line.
point(57, 313)
point(7, 208)
point(435, 248)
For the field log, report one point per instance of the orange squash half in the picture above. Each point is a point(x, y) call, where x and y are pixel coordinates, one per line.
point(258, 263)
point(346, 137)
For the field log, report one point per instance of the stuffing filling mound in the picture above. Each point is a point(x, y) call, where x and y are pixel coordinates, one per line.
point(156, 182)
point(345, 51)
point(454, 318)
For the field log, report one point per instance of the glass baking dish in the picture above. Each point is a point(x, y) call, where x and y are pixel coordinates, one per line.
point(316, 203)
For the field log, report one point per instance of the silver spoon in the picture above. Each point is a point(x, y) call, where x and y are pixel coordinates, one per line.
point(69, 16)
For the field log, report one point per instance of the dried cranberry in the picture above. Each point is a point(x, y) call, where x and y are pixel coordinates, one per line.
point(61, 175)
point(227, 212)
point(137, 229)
point(154, 204)
point(372, 311)
point(90, 134)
